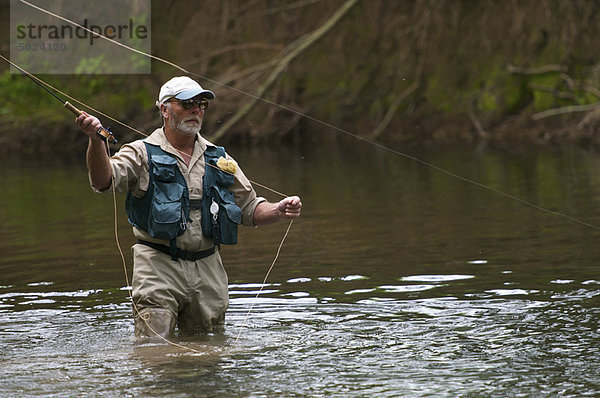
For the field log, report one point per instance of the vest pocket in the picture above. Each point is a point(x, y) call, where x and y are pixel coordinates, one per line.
point(233, 212)
point(164, 168)
point(166, 212)
point(230, 216)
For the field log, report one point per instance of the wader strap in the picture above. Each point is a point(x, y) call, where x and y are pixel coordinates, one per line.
point(182, 254)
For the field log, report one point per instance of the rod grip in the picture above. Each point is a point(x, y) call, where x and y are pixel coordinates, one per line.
point(102, 132)
point(70, 107)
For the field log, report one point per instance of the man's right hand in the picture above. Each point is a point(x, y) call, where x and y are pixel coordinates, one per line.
point(97, 156)
point(89, 125)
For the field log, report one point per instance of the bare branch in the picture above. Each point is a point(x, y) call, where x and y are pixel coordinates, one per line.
point(569, 80)
point(478, 126)
point(591, 89)
point(249, 71)
point(554, 91)
point(421, 43)
point(393, 108)
point(232, 48)
point(276, 10)
point(565, 109)
point(294, 50)
point(536, 71)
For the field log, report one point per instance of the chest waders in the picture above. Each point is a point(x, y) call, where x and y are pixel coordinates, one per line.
point(164, 209)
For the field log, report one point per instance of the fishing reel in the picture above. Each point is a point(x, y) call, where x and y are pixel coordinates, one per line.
point(105, 133)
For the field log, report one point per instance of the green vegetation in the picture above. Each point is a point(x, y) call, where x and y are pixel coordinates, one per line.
point(390, 70)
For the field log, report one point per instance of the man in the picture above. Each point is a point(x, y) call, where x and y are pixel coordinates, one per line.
point(185, 196)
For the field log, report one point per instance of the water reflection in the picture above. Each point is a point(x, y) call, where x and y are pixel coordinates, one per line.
point(398, 280)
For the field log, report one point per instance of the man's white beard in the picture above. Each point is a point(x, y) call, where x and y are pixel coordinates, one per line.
point(189, 129)
point(184, 128)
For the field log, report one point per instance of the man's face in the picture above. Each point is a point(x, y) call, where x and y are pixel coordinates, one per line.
point(185, 121)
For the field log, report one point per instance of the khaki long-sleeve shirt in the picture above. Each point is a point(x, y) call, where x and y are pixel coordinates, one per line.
point(130, 171)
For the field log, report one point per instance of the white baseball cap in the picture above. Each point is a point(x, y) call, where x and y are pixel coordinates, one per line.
point(182, 87)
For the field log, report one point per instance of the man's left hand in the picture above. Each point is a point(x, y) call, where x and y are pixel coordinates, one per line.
point(290, 206)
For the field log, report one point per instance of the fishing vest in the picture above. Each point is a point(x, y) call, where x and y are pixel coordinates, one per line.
point(220, 214)
point(164, 209)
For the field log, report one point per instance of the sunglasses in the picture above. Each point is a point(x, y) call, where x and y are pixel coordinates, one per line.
point(190, 103)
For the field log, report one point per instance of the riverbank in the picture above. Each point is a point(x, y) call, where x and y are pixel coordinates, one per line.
point(418, 73)
point(62, 140)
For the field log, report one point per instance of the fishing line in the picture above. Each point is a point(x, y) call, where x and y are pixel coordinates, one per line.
point(262, 286)
point(326, 124)
point(309, 117)
point(102, 132)
point(45, 85)
point(144, 317)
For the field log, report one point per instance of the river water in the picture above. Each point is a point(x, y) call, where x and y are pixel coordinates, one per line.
point(398, 280)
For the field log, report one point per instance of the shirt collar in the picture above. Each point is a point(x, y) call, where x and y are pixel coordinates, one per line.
point(158, 137)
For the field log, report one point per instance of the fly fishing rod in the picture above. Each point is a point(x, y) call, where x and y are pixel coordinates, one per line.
point(105, 133)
